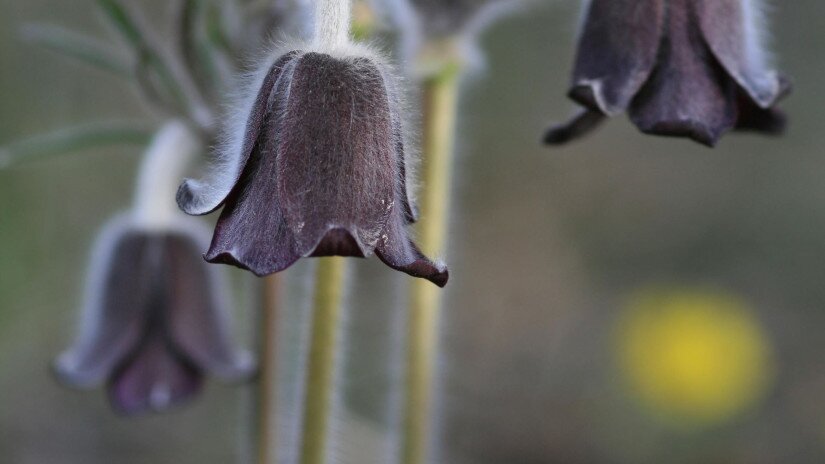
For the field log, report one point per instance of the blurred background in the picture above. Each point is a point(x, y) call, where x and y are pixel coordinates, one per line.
point(626, 299)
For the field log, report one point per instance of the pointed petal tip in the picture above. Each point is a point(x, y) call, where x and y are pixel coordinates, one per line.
point(693, 130)
point(423, 268)
point(242, 369)
point(157, 403)
point(67, 372)
point(578, 126)
point(229, 257)
point(187, 199)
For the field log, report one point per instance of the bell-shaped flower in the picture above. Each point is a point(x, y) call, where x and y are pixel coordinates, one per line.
point(316, 167)
point(154, 321)
point(155, 318)
point(686, 68)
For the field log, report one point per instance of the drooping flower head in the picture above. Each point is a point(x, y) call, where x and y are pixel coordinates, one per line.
point(154, 321)
point(317, 166)
point(155, 317)
point(685, 68)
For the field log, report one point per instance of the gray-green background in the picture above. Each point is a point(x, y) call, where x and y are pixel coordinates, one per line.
point(545, 244)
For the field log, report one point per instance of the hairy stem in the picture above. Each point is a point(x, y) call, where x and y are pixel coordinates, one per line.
point(172, 149)
point(329, 288)
point(332, 23)
point(268, 374)
point(440, 93)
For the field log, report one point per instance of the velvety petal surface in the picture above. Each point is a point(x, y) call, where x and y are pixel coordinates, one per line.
point(337, 164)
point(689, 94)
point(616, 53)
point(154, 379)
point(410, 210)
point(251, 232)
point(731, 29)
point(112, 324)
point(197, 315)
point(397, 250)
point(203, 197)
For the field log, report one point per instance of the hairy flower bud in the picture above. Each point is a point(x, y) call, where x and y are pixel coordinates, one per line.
point(686, 68)
point(154, 322)
point(317, 169)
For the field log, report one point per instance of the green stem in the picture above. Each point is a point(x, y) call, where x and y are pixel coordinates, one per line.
point(267, 377)
point(329, 288)
point(440, 110)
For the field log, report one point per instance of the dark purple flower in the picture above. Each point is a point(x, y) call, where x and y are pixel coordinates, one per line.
point(685, 68)
point(154, 321)
point(318, 169)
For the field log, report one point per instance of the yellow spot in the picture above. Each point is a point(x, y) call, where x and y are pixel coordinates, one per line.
point(694, 357)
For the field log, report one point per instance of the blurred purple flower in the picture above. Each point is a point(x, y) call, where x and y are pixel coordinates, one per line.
point(685, 68)
point(318, 169)
point(154, 321)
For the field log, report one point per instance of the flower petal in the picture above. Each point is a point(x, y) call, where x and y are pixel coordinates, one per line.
point(730, 28)
point(410, 210)
point(203, 197)
point(251, 232)
point(752, 117)
point(112, 324)
point(582, 123)
point(397, 250)
point(153, 380)
point(337, 159)
point(198, 317)
point(689, 94)
point(616, 52)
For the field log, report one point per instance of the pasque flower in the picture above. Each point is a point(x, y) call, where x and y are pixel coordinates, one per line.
point(317, 167)
point(154, 321)
point(686, 68)
point(155, 317)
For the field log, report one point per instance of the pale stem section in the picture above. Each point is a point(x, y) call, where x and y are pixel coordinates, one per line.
point(268, 374)
point(440, 108)
point(332, 23)
point(171, 151)
point(329, 288)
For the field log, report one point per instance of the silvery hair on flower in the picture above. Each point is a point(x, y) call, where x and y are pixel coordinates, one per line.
point(314, 162)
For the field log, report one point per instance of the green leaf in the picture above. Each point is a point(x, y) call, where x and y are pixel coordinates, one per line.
point(72, 140)
point(123, 21)
point(77, 46)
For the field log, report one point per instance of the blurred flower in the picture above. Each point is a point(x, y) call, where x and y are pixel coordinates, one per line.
point(154, 320)
point(447, 17)
point(686, 68)
point(694, 357)
point(317, 168)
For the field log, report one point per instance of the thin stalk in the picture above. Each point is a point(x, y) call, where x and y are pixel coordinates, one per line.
point(267, 380)
point(329, 288)
point(440, 94)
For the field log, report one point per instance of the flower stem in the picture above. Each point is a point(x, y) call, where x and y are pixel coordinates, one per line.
point(329, 287)
point(173, 148)
point(332, 23)
point(267, 381)
point(440, 110)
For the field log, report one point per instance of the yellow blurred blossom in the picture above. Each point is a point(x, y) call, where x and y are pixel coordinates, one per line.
point(695, 357)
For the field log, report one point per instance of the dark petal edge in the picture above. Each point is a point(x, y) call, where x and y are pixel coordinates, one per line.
point(581, 124)
point(155, 379)
point(197, 197)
